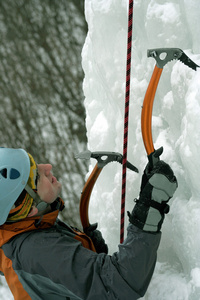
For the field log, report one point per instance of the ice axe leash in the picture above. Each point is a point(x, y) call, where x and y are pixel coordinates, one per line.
point(162, 57)
point(103, 158)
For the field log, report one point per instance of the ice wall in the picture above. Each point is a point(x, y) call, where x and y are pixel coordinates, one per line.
point(176, 126)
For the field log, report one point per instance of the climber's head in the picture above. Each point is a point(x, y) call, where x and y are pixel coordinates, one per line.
point(26, 188)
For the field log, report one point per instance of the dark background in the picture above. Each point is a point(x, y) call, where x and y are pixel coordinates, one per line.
point(41, 97)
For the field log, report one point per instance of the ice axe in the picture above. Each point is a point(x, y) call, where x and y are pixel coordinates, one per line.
point(103, 158)
point(162, 57)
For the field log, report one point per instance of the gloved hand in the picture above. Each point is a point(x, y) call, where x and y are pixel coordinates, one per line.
point(157, 187)
point(97, 239)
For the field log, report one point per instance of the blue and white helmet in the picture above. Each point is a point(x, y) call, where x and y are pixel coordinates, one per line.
point(14, 174)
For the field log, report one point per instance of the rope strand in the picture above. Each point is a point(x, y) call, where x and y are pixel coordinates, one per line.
point(126, 116)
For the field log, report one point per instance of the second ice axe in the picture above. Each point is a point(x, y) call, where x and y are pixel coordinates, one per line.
point(162, 57)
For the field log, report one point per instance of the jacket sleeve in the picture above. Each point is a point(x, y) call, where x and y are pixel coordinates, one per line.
point(58, 264)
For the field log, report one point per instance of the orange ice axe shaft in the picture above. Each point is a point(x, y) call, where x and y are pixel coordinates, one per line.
point(147, 108)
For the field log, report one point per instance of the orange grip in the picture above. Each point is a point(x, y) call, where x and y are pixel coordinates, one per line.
point(85, 196)
point(147, 108)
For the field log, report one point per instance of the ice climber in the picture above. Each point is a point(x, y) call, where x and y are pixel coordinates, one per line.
point(44, 258)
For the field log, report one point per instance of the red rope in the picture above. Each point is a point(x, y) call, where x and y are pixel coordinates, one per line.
point(126, 115)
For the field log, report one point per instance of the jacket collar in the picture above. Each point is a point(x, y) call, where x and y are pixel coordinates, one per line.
point(10, 230)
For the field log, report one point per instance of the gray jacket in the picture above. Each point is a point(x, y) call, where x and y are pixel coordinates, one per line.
point(51, 265)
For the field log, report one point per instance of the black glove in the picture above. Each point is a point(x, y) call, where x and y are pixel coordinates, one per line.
point(157, 187)
point(97, 239)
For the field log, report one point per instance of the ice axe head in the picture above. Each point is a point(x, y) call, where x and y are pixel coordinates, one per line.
point(164, 55)
point(105, 157)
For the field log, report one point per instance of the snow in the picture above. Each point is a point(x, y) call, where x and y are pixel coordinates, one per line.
point(5, 293)
point(176, 127)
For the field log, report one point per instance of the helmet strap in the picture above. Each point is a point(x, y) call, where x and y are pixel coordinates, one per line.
point(41, 205)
